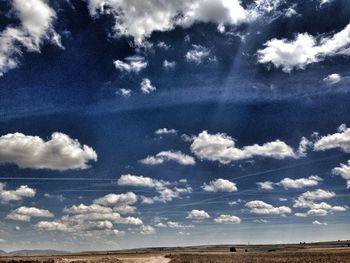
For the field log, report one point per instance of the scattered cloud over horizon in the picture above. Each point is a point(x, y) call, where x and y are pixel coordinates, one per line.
point(25, 214)
point(262, 208)
point(227, 219)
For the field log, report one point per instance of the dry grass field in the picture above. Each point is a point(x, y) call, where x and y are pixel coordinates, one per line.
point(330, 252)
point(280, 257)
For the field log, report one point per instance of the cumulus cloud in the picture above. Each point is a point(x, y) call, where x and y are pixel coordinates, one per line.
point(139, 19)
point(266, 185)
point(341, 140)
point(167, 194)
point(197, 215)
point(147, 230)
point(227, 219)
point(197, 54)
point(332, 79)
point(221, 147)
point(304, 50)
point(36, 25)
point(146, 86)
point(100, 217)
point(289, 183)
point(133, 64)
point(86, 209)
point(59, 153)
point(318, 194)
point(164, 156)
point(220, 185)
point(260, 207)
point(24, 213)
point(307, 200)
point(18, 194)
point(116, 200)
point(301, 182)
point(135, 180)
point(344, 171)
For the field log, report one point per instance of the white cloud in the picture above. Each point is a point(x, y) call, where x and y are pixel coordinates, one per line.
point(169, 64)
point(36, 19)
point(135, 180)
point(139, 19)
point(343, 171)
point(318, 194)
point(197, 54)
point(86, 209)
point(164, 156)
point(197, 215)
point(341, 140)
point(227, 219)
point(301, 182)
point(147, 230)
point(220, 185)
point(164, 131)
point(95, 218)
point(266, 185)
point(116, 200)
point(307, 200)
point(59, 153)
point(332, 79)
point(18, 194)
point(304, 50)
point(124, 92)
point(146, 86)
point(132, 64)
point(24, 213)
point(260, 207)
point(319, 223)
point(288, 183)
point(221, 147)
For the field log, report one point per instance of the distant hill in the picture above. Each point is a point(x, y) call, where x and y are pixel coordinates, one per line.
point(37, 252)
point(2, 252)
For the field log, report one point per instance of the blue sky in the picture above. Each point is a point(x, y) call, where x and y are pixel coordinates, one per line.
point(164, 123)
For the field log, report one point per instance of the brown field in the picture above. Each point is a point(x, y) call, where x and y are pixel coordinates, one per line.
point(330, 252)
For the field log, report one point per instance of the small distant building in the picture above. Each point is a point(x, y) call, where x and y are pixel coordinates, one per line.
point(233, 249)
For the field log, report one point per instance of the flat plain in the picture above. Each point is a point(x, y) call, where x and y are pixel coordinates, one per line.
point(325, 252)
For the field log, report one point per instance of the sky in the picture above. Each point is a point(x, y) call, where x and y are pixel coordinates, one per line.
point(127, 123)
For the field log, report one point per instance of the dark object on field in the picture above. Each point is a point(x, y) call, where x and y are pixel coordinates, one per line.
point(246, 250)
point(271, 250)
point(233, 249)
point(348, 244)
